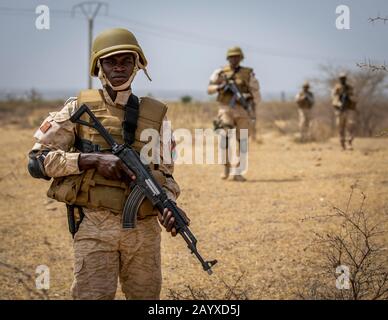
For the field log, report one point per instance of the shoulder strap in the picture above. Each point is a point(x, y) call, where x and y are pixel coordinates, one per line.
point(152, 112)
point(131, 116)
point(90, 97)
point(246, 71)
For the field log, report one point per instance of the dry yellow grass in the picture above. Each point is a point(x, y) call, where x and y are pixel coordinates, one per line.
point(254, 227)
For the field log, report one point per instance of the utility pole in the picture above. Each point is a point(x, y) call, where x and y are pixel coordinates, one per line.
point(90, 10)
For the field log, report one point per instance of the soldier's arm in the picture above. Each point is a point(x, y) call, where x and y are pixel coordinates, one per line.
point(254, 89)
point(51, 155)
point(335, 92)
point(215, 82)
point(166, 165)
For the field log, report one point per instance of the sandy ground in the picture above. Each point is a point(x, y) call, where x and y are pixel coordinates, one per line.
point(254, 228)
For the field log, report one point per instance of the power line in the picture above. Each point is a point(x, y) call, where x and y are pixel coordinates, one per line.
point(28, 10)
point(154, 30)
point(194, 38)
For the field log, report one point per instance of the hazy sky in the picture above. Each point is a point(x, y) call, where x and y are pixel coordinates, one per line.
point(184, 41)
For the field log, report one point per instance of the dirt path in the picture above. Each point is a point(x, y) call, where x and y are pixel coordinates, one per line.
point(253, 228)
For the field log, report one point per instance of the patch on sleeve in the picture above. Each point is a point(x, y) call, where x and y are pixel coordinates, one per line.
point(45, 126)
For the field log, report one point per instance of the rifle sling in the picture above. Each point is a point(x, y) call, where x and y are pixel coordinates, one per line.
point(131, 116)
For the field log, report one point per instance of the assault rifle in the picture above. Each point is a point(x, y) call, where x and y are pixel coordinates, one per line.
point(145, 186)
point(237, 95)
point(344, 98)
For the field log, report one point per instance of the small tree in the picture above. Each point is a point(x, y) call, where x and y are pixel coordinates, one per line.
point(186, 99)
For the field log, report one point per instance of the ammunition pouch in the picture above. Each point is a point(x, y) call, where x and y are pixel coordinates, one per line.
point(93, 191)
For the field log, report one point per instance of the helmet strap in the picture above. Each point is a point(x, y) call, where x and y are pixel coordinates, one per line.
point(123, 91)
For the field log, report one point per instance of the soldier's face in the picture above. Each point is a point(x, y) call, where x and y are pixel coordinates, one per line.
point(118, 68)
point(234, 61)
point(343, 80)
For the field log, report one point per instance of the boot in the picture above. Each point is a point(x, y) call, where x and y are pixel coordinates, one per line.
point(239, 178)
point(225, 174)
point(343, 145)
point(350, 143)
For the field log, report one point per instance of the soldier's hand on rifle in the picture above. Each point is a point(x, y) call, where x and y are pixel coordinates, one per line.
point(221, 85)
point(108, 165)
point(168, 221)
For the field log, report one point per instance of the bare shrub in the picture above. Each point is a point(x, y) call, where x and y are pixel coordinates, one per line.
point(357, 244)
point(236, 291)
point(24, 279)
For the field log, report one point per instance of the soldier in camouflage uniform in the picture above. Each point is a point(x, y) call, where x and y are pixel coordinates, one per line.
point(85, 176)
point(305, 102)
point(344, 104)
point(235, 116)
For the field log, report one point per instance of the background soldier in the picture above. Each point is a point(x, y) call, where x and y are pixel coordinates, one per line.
point(345, 110)
point(305, 101)
point(235, 116)
point(98, 182)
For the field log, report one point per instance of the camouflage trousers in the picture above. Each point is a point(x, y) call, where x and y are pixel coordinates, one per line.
point(346, 123)
point(234, 118)
point(304, 123)
point(105, 252)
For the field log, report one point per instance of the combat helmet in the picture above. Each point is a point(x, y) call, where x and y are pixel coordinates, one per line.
point(114, 41)
point(306, 84)
point(234, 51)
point(342, 75)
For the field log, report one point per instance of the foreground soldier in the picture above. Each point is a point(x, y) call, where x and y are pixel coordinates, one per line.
point(345, 111)
point(305, 102)
point(235, 116)
point(98, 182)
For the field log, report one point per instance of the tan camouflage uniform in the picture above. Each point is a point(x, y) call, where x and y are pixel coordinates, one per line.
point(305, 102)
point(236, 117)
point(103, 250)
point(346, 119)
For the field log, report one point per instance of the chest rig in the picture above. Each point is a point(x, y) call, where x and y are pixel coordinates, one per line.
point(241, 77)
point(90, 189)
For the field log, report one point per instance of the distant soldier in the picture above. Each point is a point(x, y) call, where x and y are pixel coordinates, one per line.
point(345, 110)
point(235, 112)
point(305, 101)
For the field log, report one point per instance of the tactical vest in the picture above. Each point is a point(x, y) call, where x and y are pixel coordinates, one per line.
point(241, 77)
point(92, 190)
point(340, 90)
point(306, 102)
